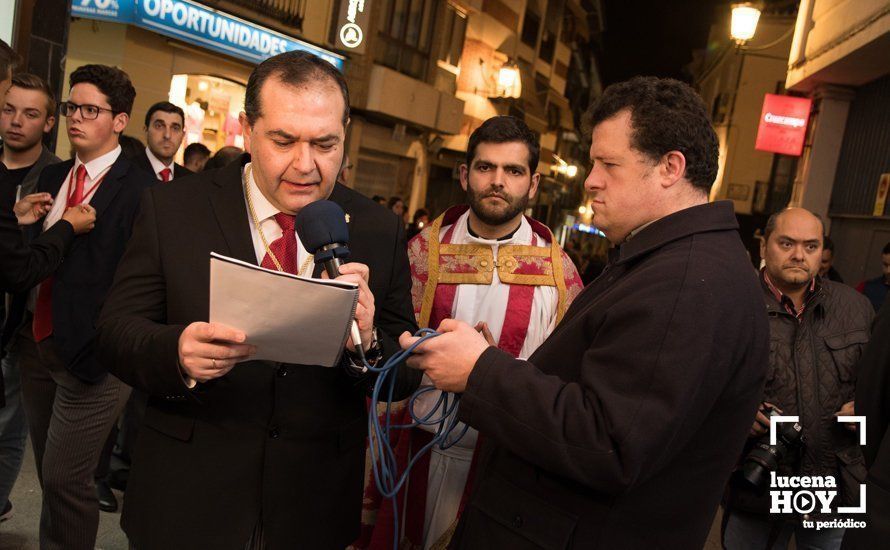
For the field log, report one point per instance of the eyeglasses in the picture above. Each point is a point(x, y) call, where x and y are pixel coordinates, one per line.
point(88, 112)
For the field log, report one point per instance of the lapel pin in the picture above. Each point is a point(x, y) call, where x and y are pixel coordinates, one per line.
point(347, 218)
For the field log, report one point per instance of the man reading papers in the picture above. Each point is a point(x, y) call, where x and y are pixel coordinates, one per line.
point(258, 454)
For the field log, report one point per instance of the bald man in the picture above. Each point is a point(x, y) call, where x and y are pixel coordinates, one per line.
point(818, 329)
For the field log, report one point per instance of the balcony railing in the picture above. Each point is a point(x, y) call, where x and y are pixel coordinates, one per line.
point(287, 12)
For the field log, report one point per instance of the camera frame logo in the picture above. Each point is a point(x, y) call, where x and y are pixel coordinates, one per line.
point(806, 495)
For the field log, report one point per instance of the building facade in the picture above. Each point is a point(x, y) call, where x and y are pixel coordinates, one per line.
point(422, 75)
point(839, 58)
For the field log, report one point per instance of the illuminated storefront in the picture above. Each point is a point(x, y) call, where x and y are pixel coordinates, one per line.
point(180, 51)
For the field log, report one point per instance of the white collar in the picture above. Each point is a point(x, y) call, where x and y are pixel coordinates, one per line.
point(261, 205)
point(522, 235)
point(99, 165)
point(157, 164)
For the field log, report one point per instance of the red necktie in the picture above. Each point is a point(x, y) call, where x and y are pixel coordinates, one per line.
point(43, 311)
point(165, 174)
point(285, 247)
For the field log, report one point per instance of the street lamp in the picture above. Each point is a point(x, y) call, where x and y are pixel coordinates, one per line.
point(744, 21)
point(509, 81)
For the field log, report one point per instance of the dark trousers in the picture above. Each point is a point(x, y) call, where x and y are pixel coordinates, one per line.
point(69, 422)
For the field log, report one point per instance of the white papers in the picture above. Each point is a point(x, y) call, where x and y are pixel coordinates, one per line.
point(289, 319)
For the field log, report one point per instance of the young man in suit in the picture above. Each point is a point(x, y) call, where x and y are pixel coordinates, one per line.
point(255, 454)
point(70, 399)
point(164, 130)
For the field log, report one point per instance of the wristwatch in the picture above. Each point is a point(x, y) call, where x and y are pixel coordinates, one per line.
point(372, 356)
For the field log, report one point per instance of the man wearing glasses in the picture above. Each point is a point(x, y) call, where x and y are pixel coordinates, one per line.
point(70, 399)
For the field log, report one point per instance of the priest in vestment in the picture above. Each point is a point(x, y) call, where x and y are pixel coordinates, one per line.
point(487, 264)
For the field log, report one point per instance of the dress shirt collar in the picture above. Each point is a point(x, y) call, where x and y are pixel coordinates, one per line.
point(157, 164)
point(98, 165)
point(261, 205)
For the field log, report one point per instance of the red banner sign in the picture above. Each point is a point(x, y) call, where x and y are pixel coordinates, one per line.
point(783, 124)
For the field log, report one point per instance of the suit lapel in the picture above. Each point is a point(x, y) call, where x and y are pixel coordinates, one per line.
point(52, 187)
point(110, 185)
point(142, 162)
point(227, 199)
point(180, 171)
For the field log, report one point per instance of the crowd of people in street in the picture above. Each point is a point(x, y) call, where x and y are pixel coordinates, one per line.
point(611, 399)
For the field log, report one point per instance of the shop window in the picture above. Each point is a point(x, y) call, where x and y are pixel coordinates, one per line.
point(405, 33)
point(211, 106)
point(454, 30)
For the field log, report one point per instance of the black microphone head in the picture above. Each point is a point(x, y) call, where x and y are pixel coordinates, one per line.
point(321, 224)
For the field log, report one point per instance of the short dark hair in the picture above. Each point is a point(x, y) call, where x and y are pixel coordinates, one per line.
point(195, 150)
point(28, 81)
point(131, 147)
point(296, 68)
point(223, 157)
point(667, 115)
point(164, 107)
point(827, 244)
point(393, 201)
point(886, 249)
point(111, 81)
point(9, 60)
point(505, 129)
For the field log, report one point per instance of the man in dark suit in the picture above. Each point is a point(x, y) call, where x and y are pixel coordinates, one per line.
point(254, 454)
point(620, 431)
point(164, 130)
point(70, 399)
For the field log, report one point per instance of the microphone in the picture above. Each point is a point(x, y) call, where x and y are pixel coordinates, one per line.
point(322, 228)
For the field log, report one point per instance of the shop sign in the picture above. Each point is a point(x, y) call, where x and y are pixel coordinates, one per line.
point(783, 124)
point(198, 24)
point(351, 24)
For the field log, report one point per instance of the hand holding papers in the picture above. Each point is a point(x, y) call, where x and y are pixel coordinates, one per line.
point(288, 318)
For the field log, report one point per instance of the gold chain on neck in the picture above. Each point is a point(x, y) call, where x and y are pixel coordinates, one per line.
point(248, 172)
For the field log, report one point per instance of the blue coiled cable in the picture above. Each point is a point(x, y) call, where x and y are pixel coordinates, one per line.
point(383, 461)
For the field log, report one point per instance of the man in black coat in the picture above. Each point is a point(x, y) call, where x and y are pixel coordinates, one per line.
point(622, 428)
point(256, 453)
point(873, 402)
point(164, 130)
point(24, 265)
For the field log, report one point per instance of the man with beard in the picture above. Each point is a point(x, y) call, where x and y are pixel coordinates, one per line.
point(622, 427)
point(476, 263)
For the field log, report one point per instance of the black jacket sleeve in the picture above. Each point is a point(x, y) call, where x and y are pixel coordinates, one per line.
point(133, 337)
point(638, 399)
point(27, 265)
